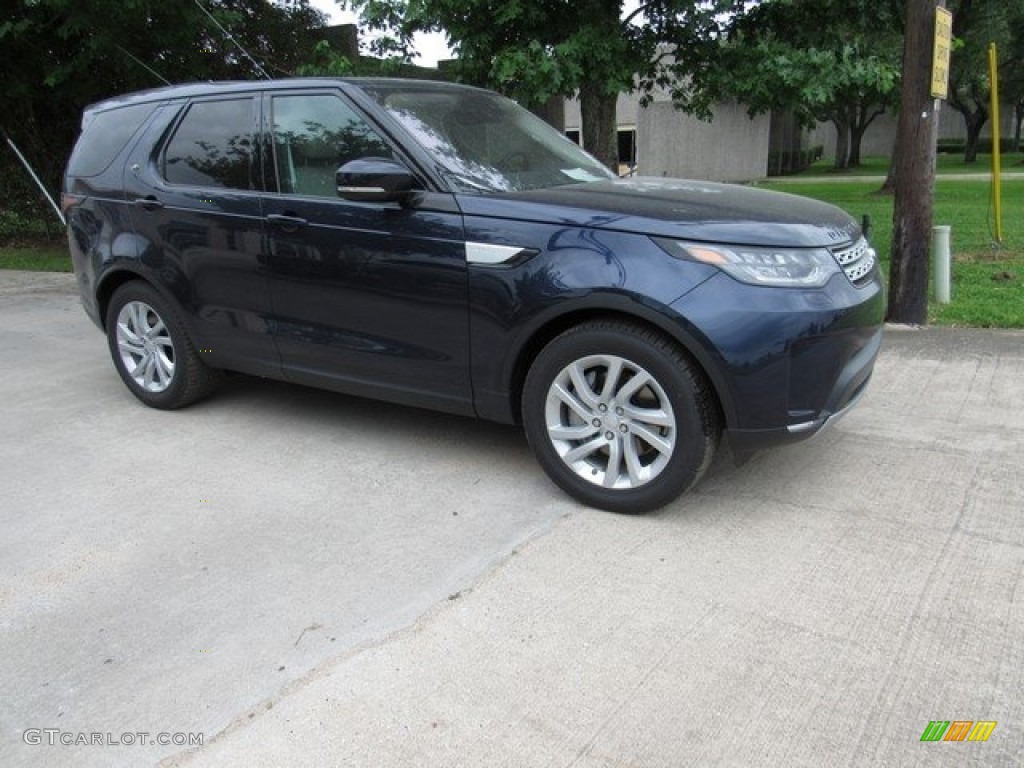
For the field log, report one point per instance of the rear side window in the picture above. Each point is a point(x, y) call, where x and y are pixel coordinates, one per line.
point(212, 146)
point(104, 135)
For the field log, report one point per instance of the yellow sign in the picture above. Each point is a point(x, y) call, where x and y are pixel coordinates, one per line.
point(940, 57)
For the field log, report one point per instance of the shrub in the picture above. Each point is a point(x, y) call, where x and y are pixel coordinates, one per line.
point(16, 227)
point(959, 146)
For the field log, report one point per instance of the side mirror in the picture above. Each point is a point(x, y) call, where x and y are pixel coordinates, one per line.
point(374, 179)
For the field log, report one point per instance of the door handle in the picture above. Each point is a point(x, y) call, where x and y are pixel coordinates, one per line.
point(149, 202)
point(286, 222)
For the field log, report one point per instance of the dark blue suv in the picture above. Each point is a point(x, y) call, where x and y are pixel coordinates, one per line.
point(436, 245)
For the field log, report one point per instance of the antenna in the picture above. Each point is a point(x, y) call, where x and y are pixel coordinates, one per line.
point(231, 37)
point(35, 178)
point(142, 64)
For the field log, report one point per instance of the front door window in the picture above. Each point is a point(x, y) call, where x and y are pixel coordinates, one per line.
point(313, 136)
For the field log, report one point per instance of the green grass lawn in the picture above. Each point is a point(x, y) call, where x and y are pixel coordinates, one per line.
point(946, 164)
point(988, 278)
point(38, 258)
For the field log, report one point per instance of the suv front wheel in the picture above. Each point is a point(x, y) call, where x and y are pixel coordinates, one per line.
point(618, 416)
point(151, 350)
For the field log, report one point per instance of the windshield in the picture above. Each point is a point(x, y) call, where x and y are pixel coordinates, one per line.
point(483, 142)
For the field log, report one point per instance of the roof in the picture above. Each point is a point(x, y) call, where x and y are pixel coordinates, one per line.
point(191, 90)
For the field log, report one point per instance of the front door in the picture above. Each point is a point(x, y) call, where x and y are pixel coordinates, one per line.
point(368, 297)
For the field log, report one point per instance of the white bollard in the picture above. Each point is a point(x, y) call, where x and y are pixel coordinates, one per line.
point(940, 254)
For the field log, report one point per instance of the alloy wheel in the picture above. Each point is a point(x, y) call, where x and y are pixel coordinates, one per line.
point(610, 421)
point(145, 346)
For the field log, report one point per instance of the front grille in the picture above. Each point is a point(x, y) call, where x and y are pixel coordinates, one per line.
point(858, 261)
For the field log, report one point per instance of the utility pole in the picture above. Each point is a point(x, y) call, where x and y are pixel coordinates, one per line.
point(915, 170)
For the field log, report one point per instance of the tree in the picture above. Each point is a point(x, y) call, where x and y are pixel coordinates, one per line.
point(58, 56)
point(915, 172)
point(1011, 77)
point(534, 50)
point(824, 60)
point(976, 24)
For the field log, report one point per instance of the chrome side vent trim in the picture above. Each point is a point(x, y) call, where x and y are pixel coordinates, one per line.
point(494, 255)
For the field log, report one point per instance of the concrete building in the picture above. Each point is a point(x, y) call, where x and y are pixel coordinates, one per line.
point(881, 134)
point(659, 140)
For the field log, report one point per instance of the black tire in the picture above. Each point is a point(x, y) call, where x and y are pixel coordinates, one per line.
point(151, 350)
point(643, 425)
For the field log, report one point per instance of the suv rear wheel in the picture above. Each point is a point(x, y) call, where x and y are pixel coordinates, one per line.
point(151, 350)
point(618, 417)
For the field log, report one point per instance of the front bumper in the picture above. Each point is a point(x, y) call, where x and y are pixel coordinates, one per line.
point(784, 362)
point(848, 390)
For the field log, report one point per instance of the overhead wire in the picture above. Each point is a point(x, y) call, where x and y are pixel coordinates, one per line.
point(237, 44)
point(142, 64)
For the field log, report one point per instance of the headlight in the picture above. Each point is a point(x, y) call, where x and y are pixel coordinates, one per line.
point(785, 267)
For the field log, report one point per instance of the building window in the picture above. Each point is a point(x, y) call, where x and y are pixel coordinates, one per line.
point(627, 147)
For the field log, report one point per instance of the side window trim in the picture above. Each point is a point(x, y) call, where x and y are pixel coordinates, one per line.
point(256, 154)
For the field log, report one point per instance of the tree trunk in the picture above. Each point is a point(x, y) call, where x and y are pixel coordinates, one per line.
point(856, 134)
point(853, 160)
point(915, 172)
point(975, 122)
point(600, 137)
point(889, 185)
point(858, 127)
point(842, 159)
point(1018, 113)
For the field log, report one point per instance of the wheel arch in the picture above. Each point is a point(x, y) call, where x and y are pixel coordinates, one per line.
point(114, 279)
point(554, 326)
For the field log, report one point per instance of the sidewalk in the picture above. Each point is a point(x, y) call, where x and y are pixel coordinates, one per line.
point(841, 179)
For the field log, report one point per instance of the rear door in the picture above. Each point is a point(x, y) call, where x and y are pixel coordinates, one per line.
point(197, 211)
point(368, 297)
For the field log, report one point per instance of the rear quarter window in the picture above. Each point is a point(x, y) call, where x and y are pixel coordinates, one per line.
point(104, 135)
point(212, 146)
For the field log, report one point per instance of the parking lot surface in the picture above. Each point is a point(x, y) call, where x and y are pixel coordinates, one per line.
point(299, 578)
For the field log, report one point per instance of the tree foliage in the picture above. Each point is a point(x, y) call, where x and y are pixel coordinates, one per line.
point(824, 60)
point(324, 61)
point(535, 50)
point(60, 55)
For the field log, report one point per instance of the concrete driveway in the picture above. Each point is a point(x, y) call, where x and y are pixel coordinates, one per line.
point(303, 579)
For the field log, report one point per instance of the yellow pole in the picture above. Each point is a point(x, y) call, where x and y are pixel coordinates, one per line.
point(997, 192)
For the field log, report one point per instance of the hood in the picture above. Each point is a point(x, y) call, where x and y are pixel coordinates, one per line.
point(687, 210)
